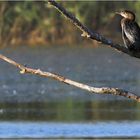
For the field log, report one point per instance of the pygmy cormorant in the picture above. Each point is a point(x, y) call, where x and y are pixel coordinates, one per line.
point(130, 30)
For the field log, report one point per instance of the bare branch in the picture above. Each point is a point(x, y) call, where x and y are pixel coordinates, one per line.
point(91, 34)
point(97, 90)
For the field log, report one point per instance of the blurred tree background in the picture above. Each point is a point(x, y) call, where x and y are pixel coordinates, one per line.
point(33, 23)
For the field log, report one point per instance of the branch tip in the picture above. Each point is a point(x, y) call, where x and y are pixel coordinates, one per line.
point(23, 71)
point(85, 34)
point(48, 5)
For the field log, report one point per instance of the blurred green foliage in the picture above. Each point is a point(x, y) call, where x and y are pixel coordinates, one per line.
point(33, 22)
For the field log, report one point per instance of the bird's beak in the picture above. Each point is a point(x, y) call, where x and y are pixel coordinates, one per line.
point(118, 13)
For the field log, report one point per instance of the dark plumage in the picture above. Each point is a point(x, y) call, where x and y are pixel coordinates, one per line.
point(130, 31)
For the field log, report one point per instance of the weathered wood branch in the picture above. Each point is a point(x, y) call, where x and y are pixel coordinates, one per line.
point(97, 90)
point(91, 34)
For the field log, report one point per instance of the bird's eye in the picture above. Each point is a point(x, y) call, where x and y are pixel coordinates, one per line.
point(123, 12)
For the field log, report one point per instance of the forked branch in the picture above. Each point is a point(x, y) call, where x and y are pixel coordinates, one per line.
point(97, 90)
point(91, 34)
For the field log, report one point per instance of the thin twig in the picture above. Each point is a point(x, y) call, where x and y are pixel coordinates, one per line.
point(91, 34)
point(97, 90)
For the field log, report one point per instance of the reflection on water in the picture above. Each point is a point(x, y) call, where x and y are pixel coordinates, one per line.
point(71, 111)
point(32, 98)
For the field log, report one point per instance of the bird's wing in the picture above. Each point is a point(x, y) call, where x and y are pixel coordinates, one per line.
point(126, 41)
point(132, 31)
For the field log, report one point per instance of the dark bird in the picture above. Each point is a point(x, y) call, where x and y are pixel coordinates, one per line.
point(130, 30)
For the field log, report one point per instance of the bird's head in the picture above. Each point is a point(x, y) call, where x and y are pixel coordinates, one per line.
point(127, 14)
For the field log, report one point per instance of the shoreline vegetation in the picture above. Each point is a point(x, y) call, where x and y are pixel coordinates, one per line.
point(34, 23)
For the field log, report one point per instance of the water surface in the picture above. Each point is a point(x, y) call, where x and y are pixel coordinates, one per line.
point(69, 130)
point(33, 106)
